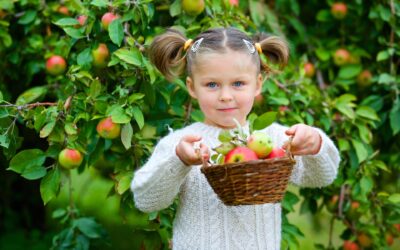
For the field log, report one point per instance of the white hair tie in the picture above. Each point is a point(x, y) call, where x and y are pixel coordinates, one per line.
point(196, 45)
point(250, 46)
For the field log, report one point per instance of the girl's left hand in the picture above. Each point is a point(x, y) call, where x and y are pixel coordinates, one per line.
point(306, 140)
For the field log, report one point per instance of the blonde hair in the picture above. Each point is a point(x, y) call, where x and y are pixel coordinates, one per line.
point(167, 51)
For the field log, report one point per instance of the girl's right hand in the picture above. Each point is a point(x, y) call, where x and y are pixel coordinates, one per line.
point(186, 151)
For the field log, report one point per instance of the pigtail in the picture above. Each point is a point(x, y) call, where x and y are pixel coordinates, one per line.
point(167, 53)
point(274, 48)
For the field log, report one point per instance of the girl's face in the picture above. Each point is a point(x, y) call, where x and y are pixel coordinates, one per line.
point(225, 85)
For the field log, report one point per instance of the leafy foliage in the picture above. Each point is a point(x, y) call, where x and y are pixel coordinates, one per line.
point(361, 116)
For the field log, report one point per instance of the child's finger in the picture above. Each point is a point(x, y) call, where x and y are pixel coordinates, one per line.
point(191, 138)
point(291, 131)
point(204, 151)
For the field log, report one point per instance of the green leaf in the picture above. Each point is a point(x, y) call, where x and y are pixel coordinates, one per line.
point(150, 70)
point(349, 71)
point(67, 21)
point(382, 56)
point(74, 33)
point(366, 184)
point(95, 88)
point(70, 128)
point(367, 112)
point(175, 8)
point(1, 97)
point(225, 136)
point(138, 115)
point(89, 227)
point(34, 172)
point(123, 182)
point(394, 198)
point(116, 31)
point(31, 95)
point(100, 3)
point(129, 56)
point(27, 159)
point(264, 120)
point(50, 185)
point(126, 135)
point(395, 118)
point(118, 114)
point(385, 78)
point(85, 57)
point(323, 15)
point(361, 150)
point(28, 17)
point(47, 129)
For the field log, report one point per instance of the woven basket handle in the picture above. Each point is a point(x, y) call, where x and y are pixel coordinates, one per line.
point(289, 148)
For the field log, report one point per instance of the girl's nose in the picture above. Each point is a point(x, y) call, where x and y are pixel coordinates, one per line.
point(225, 95)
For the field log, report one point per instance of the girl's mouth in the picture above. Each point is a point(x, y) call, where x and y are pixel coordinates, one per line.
point(227, 109)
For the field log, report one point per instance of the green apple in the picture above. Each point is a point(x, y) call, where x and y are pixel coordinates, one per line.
point(260, 143)
point(341, 57)
point(70, 158)
point(193, 7)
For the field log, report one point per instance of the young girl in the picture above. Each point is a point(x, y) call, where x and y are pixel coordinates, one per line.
point(223, 69)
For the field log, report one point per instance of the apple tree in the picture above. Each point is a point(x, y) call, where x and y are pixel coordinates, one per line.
point(77, 90)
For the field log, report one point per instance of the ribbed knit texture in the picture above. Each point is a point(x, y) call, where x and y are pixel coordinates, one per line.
point(202, 220)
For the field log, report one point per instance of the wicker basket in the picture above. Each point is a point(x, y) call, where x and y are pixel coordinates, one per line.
point(249, 183)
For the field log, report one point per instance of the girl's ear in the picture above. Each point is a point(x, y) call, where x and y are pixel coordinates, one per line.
point(190, 87)
point(259, 84)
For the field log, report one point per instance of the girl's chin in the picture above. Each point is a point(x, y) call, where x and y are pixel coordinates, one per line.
point(225, 124)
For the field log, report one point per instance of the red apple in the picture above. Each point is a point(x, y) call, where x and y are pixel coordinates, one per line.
point(364, 240)
point(276, 153)
point(107, 19)
point(282, 109)
point(339, 10)
point(364, 79)
point(70, 158)
point(56, 65)
point(260, 143)
point(309, 70)
point(108, 129)
point(389, 239)
point(397, 226)
point(350, 245)
point(353, 212)
point(240, 154)
point(63, 10)
point(193, 7)
point(258, 100)
point(101, 56)
point(332, 204)
point(234, 2)
point(341, 57)
point(82, 20)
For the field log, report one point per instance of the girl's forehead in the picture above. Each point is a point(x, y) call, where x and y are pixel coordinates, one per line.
point(236, 60)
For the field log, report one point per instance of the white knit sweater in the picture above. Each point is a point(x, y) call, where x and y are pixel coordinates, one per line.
point(202, 220)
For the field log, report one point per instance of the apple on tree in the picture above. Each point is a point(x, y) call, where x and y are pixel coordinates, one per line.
point(309, 70)
point(193, 7)
point(364, 79)
point(70, 158)
point(341, 57)
point(350, 245)
point(107, 18)
point(82, 20)
point(56, 65)
point(339, 10)
point(101, 56)
point(107, 129)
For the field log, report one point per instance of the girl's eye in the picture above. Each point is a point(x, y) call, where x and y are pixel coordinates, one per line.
point(238, 84)
point(211, 84)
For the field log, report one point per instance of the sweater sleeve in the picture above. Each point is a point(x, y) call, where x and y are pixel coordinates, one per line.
point(320, 169)
point(156, 184)
point(314, 170)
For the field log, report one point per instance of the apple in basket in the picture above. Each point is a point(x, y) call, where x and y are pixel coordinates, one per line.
point(240, 154)
point(260, 143)
point(276, 153)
